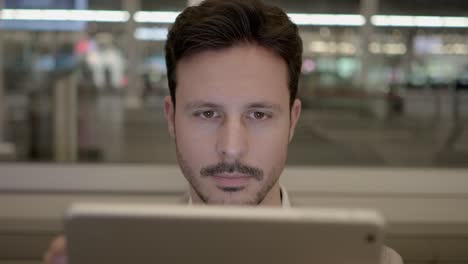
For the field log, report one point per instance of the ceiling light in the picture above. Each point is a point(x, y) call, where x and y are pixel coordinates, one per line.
point(64, 15)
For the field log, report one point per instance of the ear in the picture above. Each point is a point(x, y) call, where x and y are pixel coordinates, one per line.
point(295, 113)
point(169, 111)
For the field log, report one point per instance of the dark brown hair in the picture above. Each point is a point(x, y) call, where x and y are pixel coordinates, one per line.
point(220, 24)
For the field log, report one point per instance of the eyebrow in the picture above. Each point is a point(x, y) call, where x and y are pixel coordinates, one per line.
point(262, 105)
point(257, 105)
point(200, 104)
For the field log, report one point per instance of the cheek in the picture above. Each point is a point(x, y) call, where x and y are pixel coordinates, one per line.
point(270, 143)
point(195, 131)
point(194, 141)
point(274, 132)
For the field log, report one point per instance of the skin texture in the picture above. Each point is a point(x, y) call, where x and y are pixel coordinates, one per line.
point(233, 111)
point(56, 254)
point(232, 125)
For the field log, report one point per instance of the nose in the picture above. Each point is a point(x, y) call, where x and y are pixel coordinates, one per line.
point(232, 142)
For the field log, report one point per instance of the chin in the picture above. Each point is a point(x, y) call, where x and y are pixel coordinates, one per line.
point(233, 199)
point(235, 203)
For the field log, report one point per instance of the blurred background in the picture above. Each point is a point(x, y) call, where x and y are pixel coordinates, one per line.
point(384, 82)
point(384, 125)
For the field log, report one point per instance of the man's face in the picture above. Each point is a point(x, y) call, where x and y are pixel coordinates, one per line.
point(232, 123)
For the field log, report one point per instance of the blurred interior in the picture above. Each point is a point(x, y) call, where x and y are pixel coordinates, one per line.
point(384, 87)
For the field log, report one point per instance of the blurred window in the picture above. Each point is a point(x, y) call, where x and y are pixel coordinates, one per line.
point(410, 111)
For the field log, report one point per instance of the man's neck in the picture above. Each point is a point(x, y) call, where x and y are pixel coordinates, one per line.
point(273, 197)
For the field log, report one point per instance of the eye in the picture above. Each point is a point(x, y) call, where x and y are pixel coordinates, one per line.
point(258, 115)
point(208, 114)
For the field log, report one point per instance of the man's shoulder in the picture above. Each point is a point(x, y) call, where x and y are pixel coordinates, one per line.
point(390, 256)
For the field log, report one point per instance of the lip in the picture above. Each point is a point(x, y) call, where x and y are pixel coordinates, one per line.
point(231, 180)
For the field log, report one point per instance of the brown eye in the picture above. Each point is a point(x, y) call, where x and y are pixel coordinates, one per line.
point(208, 114)
point(259, 115)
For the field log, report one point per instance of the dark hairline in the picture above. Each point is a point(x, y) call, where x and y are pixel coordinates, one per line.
point(275, 33)
point(245, 43)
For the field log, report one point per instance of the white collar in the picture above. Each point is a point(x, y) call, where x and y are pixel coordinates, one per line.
point(285, 203)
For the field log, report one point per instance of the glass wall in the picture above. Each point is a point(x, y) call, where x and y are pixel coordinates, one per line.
point(90, 87)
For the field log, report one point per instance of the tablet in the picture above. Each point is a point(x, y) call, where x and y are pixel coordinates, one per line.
point(130, 233)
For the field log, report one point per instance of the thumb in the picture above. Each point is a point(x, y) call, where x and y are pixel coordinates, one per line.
point(61, 259)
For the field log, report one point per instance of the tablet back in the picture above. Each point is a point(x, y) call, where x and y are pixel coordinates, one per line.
point(118, 234)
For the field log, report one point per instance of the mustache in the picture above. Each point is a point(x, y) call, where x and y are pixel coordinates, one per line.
point(224, 167)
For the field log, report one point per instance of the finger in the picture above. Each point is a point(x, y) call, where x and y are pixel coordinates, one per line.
point(57, 248)
point(62, 259)
point(59, 245)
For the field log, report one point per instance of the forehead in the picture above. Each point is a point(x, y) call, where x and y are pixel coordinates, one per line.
point(239, 74)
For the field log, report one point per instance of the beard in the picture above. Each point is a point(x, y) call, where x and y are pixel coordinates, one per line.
point(229, 196)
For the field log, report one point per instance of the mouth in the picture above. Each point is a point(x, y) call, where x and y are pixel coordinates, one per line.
point(231, 181)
